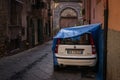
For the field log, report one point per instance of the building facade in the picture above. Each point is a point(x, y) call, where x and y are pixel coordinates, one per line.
point(93, 11)
point(3, 24)
point(98, 15)
point(39, 22)
point(23, 24)
point(113, 40)
point(66, 14)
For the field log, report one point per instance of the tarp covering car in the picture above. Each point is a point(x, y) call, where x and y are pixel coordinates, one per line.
point(77, 31)
point(73, 32)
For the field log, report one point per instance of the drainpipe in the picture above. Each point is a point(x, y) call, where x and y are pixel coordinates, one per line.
point(105, 39)
point(89, 11)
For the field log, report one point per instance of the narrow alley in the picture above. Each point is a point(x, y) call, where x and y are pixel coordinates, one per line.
point(36, 64)
point(27, 28)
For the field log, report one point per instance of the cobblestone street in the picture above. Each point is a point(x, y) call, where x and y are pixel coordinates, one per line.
point(36, 64)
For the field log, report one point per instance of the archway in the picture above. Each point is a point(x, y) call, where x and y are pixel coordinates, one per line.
point(68, 18)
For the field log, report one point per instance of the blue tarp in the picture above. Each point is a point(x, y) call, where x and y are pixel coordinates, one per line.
point(72, 32)
point(77, 30)
point(100, 67)
point(97, 33)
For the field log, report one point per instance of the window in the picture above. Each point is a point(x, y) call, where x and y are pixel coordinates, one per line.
point(93, 13)
point(82, 40)
point(16, 10)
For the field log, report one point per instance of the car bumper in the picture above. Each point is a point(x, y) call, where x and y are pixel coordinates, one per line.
point(77, 61)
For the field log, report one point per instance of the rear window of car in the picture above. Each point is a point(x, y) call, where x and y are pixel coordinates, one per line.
point(82, 40)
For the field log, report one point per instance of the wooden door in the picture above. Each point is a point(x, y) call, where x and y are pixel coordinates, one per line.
point(68, 22)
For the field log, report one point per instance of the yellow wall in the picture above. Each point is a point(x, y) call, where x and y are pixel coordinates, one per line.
point(114, 15)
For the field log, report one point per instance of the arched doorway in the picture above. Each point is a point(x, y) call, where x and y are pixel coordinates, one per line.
point(68, 18)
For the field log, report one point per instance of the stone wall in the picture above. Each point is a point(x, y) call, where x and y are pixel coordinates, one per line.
point(59, 7)
point(2, 40)
point(113, 55)
point(3, 25)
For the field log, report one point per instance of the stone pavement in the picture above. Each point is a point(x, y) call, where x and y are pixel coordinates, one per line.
point(19, 63)
point(36, 64)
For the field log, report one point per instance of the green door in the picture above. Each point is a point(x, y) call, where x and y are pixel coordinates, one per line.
point(40, 31)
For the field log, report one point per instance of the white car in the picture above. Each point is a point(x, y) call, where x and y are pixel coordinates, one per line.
point(76, 52)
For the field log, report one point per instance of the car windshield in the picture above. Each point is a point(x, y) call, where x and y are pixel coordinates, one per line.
point(82, 40)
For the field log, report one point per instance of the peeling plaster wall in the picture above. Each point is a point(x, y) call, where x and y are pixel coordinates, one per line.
point(113, 55)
